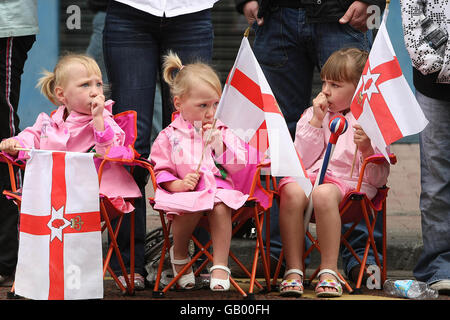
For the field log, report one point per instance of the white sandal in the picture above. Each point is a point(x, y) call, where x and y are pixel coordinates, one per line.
point(287, 285)
point(186, 281)
point(329, 283)
point(224, 283)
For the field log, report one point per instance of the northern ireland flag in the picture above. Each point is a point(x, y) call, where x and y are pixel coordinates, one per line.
point(248, 107)
point(60, 245)
point(384, 104)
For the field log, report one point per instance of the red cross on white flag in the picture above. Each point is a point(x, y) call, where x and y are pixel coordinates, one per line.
point(384, 104)
point(60, 246)
point(248, 107)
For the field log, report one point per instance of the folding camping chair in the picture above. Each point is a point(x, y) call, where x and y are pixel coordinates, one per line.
point(127, 121)
point(353, 208)
point(108, 211)
point(257, 207)
point(14, 194)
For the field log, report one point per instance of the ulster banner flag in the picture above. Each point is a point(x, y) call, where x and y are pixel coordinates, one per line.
point(60, 245)
point(248, 107)
point(383, 103)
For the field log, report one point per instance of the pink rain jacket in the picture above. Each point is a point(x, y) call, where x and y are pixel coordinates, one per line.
point(311, 143)
point(77, 134)
point(177, 151)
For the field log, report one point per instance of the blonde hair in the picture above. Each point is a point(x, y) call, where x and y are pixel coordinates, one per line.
point(50, 80)
point(346, 64)
point(181, 78)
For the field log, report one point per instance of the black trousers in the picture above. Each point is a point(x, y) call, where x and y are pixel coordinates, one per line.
point(13, 54)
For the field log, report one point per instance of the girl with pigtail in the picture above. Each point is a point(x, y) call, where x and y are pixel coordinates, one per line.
point(193, 159)
point(82, 122)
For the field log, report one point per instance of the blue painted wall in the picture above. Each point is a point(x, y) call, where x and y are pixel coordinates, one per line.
point(44, 54)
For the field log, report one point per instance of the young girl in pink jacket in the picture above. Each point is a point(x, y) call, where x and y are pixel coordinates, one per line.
point(82, 122)
point(193, 175)
point(339, 75)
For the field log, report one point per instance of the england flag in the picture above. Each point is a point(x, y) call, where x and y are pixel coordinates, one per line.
point(248, 107)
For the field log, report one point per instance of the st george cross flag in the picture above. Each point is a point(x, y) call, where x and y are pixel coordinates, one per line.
point(60, 245)
point(384, 104)
point(248, 107)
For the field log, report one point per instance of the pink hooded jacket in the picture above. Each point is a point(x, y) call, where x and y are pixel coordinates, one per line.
point(77, 134)
point(177, 151)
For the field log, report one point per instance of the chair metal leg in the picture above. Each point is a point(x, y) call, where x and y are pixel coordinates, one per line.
point(116, 248)
point(132, 251)
point(278, 268)
point(384, 268)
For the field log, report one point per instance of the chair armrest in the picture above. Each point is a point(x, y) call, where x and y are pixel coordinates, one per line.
point(141, 162)
point(377, 158)
point(11, 164)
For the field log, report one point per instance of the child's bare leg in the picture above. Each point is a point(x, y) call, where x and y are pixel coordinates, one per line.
point(220, 224)
point(292, 205)
point(182, 228)
point(326, 199)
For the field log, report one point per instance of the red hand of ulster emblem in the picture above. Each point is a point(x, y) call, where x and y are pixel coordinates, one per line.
point(58, 223)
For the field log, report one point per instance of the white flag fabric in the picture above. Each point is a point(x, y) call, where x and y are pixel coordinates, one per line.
point(248, 107)
point(60, 245)
point(384, 104)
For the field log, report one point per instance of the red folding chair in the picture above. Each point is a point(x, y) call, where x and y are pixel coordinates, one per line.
point(125, 156)
point(257, 207)
point(353, 208)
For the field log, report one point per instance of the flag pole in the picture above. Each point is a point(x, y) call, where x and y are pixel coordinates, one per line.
point(247, 32)
point(97, 155)
point(354, 160)
point(386, 10)
point(206, 144)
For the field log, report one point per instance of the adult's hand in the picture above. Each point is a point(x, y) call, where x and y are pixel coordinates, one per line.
point(250, 10)
point(356, 16)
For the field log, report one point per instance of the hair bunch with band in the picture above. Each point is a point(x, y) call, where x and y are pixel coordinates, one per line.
point(181, 77)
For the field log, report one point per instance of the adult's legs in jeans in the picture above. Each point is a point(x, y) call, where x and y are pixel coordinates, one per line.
point(191, 38)
point(358, 240)
point(133, 79)
point(131, 59)
point(157, 115)
point(95, 47)
point(283, 48)
point(13, 54)
point(288, 66)
point(434, 262)
point(8, 227)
